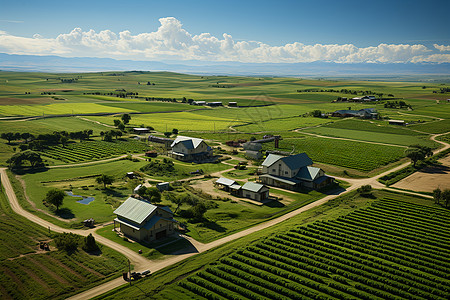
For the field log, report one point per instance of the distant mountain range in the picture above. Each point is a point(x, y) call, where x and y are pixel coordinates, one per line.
point(56, 64)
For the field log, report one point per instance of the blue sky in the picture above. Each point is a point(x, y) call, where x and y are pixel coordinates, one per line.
point(272, 24)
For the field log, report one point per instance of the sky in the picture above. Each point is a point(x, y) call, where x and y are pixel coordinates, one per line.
point(346, 31)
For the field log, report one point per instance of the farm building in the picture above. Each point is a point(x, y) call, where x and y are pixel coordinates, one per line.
point(163, 186)
point(255, 191)
point(141, 130)
point(217, 103)
point(397, 122)
point(198, 102)
point(228, 185)
point(143, 221)
point(293, 172)
point(190, 149)
point(160, 140)
point(365, 113)
point(232, 104)
point(250, 190)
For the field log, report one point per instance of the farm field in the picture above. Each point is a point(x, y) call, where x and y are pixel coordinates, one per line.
point(347, 154)
point(28, 272)
point(93, 150)
point(340, 269)
point(388, 138)
point(338, 259)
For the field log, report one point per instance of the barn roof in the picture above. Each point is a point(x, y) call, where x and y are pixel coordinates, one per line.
point(135, 210)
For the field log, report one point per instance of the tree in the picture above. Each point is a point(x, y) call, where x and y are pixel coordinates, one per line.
point(55, 197)
point(152, 194)
point(32, 157)
point(446, 197)
point(88, 133)
point(7, 136)
point(25, 136)
point(89, 244)
point(121, 127)
point(418, 152)
point(437, 195)
point(117, 122)
point(167, 134)
point(126, 118)
point(316, 113)
point(175, 131)
point(178, 200)
point(63, 140)
point(199, 210)
point(105, 180)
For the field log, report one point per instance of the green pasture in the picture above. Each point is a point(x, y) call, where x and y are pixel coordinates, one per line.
point(58, 109)
point(81, 179)
point(433, 127)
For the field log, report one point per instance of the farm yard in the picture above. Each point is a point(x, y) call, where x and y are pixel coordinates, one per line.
point(401, 253)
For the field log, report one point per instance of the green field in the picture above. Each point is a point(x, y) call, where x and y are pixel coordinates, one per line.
point(93, 150)
point(348, 154)
point(389, 259)
point(28, 272)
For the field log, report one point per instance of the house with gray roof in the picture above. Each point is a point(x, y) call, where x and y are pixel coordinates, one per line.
point(293, 172)
point(190, 149)
point(143, 221)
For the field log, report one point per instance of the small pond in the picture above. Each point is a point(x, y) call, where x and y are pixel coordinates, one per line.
point(84, 200)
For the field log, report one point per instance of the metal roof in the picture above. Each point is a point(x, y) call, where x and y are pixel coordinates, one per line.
point(308, 173)
point(135, 210)
point(188, 142)
point(128, 223)
point(271, 159)
point(253, 186)
point(225, 181)
point(297, 161)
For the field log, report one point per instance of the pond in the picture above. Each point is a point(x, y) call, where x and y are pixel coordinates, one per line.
point(85, 200)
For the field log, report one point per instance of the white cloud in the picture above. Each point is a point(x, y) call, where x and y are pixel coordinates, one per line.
point(172, 41)
point(442, 47)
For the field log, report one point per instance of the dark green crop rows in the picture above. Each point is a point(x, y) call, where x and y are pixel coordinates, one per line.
point(391, 250)
point(92, 150)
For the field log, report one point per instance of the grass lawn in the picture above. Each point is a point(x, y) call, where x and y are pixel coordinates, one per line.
point(82, 181)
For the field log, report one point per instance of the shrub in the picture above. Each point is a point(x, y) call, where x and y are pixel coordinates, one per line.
point(67, 241)
point(89, 244)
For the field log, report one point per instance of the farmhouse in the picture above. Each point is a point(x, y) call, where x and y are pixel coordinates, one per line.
point(365, 113)
point(190, 149)
point(143, 221)
point(293, 172)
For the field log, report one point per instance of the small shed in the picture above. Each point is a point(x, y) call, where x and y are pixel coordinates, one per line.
point(255, 191)
point(163, 186)
point(226, 183)
point(232, 104)
point(397, 122)
point(141, 130)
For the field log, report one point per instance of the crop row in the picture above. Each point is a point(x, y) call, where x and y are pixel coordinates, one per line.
point(90, 150)
point(368, 254)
